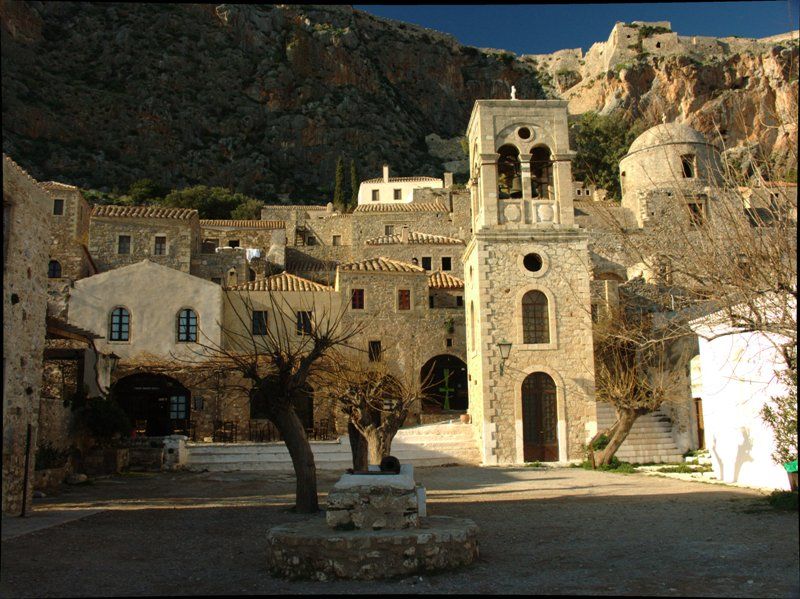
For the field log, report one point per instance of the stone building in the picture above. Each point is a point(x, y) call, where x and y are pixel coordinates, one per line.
point(488, 291)
point(123, 235)
point(27, 210)
point(70, 259)
point(388, 190)
point(527, 291)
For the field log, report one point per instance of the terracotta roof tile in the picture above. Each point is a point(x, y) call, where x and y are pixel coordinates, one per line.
point(412, 207)
point(144, 212)
point(244, 224)
point(404, 180)
point(415, 237)
point(281, 282)
point(381, 265)
point(58, 185)
point(442, 280)
point(310, 264)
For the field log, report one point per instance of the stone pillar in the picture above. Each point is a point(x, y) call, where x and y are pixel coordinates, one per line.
point(448, 180)
point(175, 453)
point(525, 164)
point(488, 183)
point(562, 179)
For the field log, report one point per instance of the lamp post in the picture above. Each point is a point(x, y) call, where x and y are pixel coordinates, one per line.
point(113, 360)
point(505, 350)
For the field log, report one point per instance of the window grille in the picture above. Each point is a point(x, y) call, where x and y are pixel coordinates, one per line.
point(535, 320)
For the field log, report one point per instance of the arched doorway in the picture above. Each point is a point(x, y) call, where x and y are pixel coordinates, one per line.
point(157, 405)
point(445, 380)
point(539, 418)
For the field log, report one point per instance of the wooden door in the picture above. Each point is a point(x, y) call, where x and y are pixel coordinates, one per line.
point(539, 418)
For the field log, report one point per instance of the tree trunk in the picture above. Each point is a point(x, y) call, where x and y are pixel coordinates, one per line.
point(358, 447)
point(621, 428)
point(305, 470)
point(380, 444)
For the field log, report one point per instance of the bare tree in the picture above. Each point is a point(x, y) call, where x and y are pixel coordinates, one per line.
point(728, 249)
point(375, 401)
point(276, 366)
point(640, 359)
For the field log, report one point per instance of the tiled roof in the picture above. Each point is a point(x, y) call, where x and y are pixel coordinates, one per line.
point(403, 180)
point(58, 185)
point(296, 206)
point(381, 264)
point(442, 280)
point(310, 264)
point(144, 212)
point(244, 224)
point(415, 237)
point(412, 207)
point(281, 282)
point(21, 171)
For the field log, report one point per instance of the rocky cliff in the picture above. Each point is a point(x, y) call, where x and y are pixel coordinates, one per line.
point(263, 99)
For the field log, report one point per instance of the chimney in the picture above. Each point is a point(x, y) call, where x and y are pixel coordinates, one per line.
point(404, 234)
point(448, 180)
point(385, 173)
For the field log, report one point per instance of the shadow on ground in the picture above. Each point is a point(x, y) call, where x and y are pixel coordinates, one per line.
point(556, 531)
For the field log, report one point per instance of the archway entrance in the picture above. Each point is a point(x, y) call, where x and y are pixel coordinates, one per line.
point(445, 380)
point(539, 418)
point(157, 405)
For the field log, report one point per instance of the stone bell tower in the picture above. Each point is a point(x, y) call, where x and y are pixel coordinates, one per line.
point(527, 271)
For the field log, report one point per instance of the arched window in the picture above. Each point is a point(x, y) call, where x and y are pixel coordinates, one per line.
point(119, 325)
point(535, 320)
point(54, 269)
point(541, 173)
point(509, 178)
point(187, 326)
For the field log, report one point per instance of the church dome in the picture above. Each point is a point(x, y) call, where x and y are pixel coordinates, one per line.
point(667, 133)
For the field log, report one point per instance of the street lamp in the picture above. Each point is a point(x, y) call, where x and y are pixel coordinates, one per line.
point(505, 350)
point(113, 360)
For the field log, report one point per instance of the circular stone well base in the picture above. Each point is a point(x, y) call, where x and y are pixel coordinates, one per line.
point(312, 550)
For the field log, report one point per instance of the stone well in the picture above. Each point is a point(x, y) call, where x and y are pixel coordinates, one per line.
point(375, 527)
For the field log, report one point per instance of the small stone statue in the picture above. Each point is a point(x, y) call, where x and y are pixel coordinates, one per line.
point(513, 92)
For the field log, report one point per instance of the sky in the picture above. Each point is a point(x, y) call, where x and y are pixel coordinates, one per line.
point(545, 28)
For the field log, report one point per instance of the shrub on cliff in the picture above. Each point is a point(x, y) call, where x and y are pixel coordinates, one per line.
point(601, 142)
point(210, 202)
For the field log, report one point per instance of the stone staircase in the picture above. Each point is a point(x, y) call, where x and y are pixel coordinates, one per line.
point(650, 439)
point(426, 445)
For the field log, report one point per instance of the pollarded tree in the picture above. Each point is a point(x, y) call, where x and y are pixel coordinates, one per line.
point(375, 401)
point(276, 352)
point(640, 355)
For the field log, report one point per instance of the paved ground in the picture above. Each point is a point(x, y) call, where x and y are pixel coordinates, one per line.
point(555, 531)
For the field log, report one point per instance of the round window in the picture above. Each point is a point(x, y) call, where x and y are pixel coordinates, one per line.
point(524, 132)
point(532, 262)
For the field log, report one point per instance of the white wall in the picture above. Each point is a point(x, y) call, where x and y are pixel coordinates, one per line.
point(386, 191)
point(153, 294)
point(738, 377)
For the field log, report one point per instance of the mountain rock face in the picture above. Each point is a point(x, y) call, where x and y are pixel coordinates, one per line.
point(263, 99)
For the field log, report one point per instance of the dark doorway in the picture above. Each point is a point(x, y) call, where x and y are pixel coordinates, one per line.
point(539, 418)
point(157, 405)
point(445, 377)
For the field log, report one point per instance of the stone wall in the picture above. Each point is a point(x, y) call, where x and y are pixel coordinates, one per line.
point(567, 358)
point(183, 237)
point(26, 221)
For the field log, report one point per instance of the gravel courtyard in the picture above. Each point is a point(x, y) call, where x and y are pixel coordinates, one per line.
point(554, 531)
